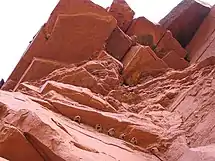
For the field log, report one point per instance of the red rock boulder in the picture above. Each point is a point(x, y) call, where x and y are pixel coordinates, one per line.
point(140, 60)
point(174, 61)
point(74, 38)
point(169, 43)
point(38, 69)
point(118, 44)
point(147, 33)
point(202, 45)
point(70, 7)
point(122, 12)
point(184, 20)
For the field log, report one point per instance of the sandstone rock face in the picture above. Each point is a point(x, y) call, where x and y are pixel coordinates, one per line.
point(123, 42)
point(205, 153)
point(109, 96)
point(202, 44)
point(70, 7)
point(89, 33)
point(174, 61)
point(122, 12)
point(38, 69)
point(147, 32)
point(184, 20)
point(140, 60)
point(167, 44)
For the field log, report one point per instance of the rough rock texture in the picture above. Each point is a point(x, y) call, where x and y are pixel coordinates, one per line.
point(202, 44)
point(184, 20)
point(82, 15)
point(127, 101)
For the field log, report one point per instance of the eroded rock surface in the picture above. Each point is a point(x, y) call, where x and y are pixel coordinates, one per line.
point(111, 91)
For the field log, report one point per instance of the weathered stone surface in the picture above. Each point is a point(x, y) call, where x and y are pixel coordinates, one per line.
point(58, 138)
point(184, 20)
point(174, 61)
point(38, 69)
point(71, 7)
point(167, 44)
point(204, 153)
point(14, 145)
point(98, 108)
point(201, 46)
point(118, 44)
point(84, 43)
point(140, 60)
point(148, 33)
point(80, 95)
point(122, 12)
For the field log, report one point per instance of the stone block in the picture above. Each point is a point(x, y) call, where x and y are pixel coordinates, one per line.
point(118, 44)
point(147, 33)
point(122, 12)
point(185, 19)
point(140, 59)
point(174, 61)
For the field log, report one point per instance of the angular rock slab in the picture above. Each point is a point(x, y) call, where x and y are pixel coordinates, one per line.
point(174, 61)
point(169, 43)
point(138, 60)
point(74, 38)
point(58, 138)
point(202, 45)
point(38, 69)
point(184, 20)
point(78, 94)
point(147, 33)
point(14, 146)
point(71, 7)
point(118, 44)
point(122, 12)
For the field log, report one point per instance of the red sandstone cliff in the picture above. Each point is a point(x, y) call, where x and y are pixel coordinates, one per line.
point(96, 84)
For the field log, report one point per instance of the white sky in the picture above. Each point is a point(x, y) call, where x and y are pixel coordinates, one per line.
point(21, 19)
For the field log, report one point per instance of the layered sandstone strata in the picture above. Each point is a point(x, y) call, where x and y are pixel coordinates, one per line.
point(96, 84)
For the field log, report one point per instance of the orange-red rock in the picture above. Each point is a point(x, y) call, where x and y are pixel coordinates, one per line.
point(147, 32)
point(122, 12)
point(78, 94)
point(9, 85)
point(201, 46)
point(174, 61)
point(86, 43)
point(167, 44)
point(118, 44)
point(38, 69)
point(71, 7)
point(57, 138)
point(98, 108)
point(14, 145)
point(184, 20)
point(138, 60)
